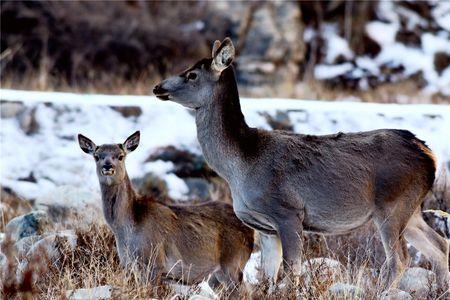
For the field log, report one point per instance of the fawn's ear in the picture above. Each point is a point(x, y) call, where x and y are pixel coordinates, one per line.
point(223, 55)
point(132, 142)
point(86, 144)
point(215, 47)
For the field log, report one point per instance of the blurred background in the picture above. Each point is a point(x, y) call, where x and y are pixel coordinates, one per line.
point(378, 51)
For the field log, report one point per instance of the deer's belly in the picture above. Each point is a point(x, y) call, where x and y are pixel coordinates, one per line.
point(335, 221)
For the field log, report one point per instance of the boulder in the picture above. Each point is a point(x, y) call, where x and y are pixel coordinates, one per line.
point(52, 245)
point(28, 122)
point(23, 245)
point(71, 205)
point(34, 223)
point(280, 121)
point(186, 163)
point(419, 283)
point(199, 188)
point(151, 185)
point(345, 291)
point(128, 111)
point(10, 109)
point(97, 293)
point(395, 294)
point(39, 252)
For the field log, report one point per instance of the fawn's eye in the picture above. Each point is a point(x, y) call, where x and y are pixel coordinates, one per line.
point(192, 76)
point(96, 157)
point(120, 157)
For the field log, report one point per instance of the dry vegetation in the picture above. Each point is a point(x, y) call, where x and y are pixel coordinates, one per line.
point(94, 262)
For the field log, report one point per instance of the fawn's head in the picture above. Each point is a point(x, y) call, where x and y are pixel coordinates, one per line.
point(194, 87)
point(110, 158)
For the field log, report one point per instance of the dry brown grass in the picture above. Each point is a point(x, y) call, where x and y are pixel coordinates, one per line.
point(12, 205)
point(94, 262)
point(403, 92)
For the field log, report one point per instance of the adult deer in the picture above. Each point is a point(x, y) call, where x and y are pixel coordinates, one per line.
point(185, 243)
point(284, 183)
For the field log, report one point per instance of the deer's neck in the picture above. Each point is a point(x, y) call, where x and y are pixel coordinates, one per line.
point(118, 202)
point(224, 136)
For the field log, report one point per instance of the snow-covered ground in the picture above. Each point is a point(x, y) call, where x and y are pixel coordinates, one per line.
point(54, 157)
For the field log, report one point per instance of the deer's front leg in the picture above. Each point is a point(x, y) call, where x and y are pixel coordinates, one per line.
point(290, 230)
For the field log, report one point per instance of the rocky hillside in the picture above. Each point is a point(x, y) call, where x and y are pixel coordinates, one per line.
point(347, 45)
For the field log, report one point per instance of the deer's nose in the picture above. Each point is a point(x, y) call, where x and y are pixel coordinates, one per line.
point(158, 90)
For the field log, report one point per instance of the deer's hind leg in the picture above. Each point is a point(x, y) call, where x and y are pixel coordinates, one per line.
point(391, 219)
point(431, 244)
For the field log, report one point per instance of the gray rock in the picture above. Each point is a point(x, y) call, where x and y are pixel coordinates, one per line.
point(419, 283)
point(51, 245)
point(11, 109)
point(345, 291)
point(71, 205)
point(151, 185)
point(34, 223)
point(28, 122)
point(46, 251)
point(24, 245)
point(98, 293)
point(199, 188)
point(128, 111)
point(395, 294)
point(280, 121)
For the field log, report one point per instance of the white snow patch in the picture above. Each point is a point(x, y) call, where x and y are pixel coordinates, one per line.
point(330, 71)
point(382, 33)
point(53, 154)
point(441, 14)
point(251, 269)
point(336, 45)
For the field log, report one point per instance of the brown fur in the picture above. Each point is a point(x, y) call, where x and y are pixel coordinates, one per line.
point(183, 242)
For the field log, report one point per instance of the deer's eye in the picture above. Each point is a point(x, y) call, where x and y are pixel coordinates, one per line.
point(120, 157)
point(192, 76)
point(96, 157)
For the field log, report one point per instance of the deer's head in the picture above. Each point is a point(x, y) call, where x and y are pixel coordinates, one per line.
point(194, 87)
point(110, 158)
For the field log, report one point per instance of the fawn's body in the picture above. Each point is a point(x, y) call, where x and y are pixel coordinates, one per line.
point(185, 243)
point(283, 183)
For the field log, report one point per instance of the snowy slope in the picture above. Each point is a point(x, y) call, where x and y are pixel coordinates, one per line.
point(55, 158)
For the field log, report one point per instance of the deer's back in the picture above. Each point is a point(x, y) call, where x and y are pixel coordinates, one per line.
point(199, 238)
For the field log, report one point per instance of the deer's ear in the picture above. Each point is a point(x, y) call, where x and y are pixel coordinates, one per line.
point(223, 56)
point(132, 142)
point(86, 144)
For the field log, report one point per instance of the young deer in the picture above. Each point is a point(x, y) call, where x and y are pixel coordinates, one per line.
point(185, 243)
point(284, 183)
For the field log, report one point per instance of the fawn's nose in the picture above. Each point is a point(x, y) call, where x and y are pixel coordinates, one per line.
point(107, 167)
